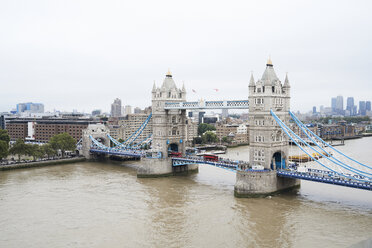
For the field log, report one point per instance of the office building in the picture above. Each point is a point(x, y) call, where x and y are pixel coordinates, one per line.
point(362, 108)
point(340, 105)
point(116, 108)
point(350, 105)
point(30, 107)
point(225, 113)
point(334, 104)
point(137, 110)
point(96, 112)
point(128, 110)
point(368, 105)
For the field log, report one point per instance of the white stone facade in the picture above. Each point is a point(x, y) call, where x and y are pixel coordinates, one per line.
point(98, 132)
point(265, 136)
point(169, 126)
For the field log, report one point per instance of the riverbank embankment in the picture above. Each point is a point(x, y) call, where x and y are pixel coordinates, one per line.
point(41, 163)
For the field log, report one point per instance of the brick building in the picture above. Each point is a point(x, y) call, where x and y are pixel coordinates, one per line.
point(17, 130)
point(237, 132)
point(41, 130)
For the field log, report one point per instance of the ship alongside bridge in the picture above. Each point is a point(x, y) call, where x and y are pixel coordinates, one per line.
point(269, 169)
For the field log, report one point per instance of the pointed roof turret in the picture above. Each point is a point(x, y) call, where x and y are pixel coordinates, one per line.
point(168, 82)
point(169, 74)
point(286, 81)
point(269, 76)
point(251, 81)
point(183, 87)
point(269, 62)
point(154, 87)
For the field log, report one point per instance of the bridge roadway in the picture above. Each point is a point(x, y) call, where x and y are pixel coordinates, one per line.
point(314, 175)
point(127, 153)
point(323, 176)
point(221, 163)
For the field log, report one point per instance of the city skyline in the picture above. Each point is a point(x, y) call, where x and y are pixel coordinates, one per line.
point(347, 107)
point(67, 58)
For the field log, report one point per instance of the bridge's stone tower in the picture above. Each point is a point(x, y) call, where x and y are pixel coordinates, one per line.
point(268, 143)
point(169, 127)
point(97, 131)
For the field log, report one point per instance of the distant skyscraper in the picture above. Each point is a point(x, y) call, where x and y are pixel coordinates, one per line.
point(314, 110)
point(350, 105)
point(116, 108)
point(96, 112)
point(368, 105)
point(30, 107)
point(225, 113)
point(128, 110)
point(362, 108)
point(333, 104)
point(137, 110)
point(340, 105)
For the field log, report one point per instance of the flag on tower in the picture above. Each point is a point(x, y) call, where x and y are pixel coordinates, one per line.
point(216, 90)
point(193, 90)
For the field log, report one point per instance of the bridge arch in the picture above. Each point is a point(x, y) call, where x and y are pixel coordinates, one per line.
point(278, 160)
point(173, 148)
point(104, 140)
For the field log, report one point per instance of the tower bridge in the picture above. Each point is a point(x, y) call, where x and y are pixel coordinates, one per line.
point(268, 170)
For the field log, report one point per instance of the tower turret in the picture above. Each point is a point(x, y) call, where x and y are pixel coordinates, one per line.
point(252, 85)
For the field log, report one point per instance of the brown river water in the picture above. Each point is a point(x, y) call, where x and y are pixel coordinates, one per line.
point(94, 204)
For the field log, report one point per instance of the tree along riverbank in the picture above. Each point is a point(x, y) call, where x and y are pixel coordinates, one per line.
point(41, 163)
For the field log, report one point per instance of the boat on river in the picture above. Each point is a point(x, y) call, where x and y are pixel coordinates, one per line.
point(306, 158)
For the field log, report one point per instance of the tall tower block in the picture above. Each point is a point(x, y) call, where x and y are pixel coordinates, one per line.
point(169, 129)
point(268, 144)
point(169, 126)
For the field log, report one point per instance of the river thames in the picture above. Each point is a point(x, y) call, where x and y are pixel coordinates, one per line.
point(105, 205)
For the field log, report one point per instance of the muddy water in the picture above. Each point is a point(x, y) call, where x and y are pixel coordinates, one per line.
point(106, 205)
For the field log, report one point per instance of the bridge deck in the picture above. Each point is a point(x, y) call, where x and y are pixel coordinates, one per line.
point(225, 164)
point(127, 153)
point(324, 178)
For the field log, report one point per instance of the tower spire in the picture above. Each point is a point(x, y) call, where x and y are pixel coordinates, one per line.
point(251, 81)
point(286, 81)
point(269, 62)
point(169, 74)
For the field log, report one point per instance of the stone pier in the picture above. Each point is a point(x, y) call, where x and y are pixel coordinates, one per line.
point(162, 168)
point(261, 184)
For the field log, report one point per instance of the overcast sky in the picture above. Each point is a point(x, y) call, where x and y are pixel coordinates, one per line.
point(83, 54)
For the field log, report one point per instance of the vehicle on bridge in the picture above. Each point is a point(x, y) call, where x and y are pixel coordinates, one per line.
point(175, 154)
point(210, 157)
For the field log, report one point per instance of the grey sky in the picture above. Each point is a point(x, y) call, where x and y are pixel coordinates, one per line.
point(83, 54)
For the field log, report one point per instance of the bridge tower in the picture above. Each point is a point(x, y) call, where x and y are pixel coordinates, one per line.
point(98, 132)
point(169, 127)
point(268, 144)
